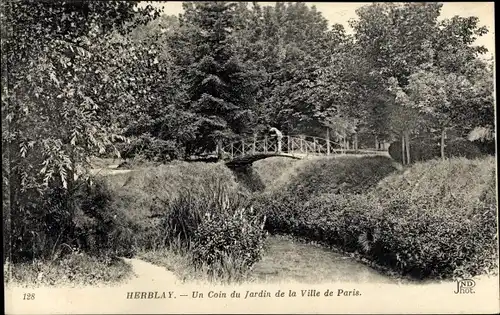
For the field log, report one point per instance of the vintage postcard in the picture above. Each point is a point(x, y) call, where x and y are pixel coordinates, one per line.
point(166, 157)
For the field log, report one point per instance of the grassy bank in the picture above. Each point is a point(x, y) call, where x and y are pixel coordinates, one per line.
point(434, 220)
point(145, 196)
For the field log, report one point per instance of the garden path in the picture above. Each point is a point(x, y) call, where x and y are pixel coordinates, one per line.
point(149, 275)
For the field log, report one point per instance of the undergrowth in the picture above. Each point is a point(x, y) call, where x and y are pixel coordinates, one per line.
point(198, 206)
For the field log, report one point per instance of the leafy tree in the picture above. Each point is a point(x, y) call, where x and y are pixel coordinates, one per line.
point(429, 62)
point(396, 38)
point(61, 85)
point(220, 91)
point(154, 123)
point(301, 45)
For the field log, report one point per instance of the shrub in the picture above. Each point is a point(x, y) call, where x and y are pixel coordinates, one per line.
point(316, 177)
point(182, 216)
point(486, 146)
point(438, 219)
point(462, 148)
point(100, 228)
point(214, 225)
point(229, 241)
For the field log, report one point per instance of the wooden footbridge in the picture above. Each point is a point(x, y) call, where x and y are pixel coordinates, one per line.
point(247, 151)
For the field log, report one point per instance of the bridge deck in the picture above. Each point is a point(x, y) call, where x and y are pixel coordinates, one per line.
point(249, 159)
point(247, 151)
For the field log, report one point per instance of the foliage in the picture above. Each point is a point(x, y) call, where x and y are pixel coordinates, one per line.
point(274, 172)
point(151, 148)
point(69, 65)
point(156, 192)
point(214, 225)
point(225, 238)
point(443, 227)
point(78, 76)
point(61, 82)
point(219, 86)
point(225, 70)
point(413, 54)
point(463, 148)
point(341, 174)
point(186, 212)
point(60, 220)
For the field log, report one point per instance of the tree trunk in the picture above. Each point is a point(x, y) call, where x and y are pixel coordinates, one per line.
point(219, 148)
point(327, 141)
point(403, 149)
point(376, 143)
point(443, 135)
point(407, 144)
point(356, 141)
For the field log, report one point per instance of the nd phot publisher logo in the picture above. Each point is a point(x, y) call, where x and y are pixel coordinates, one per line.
point(465, 286)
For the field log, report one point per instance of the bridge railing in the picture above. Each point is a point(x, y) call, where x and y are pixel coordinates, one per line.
point(293, 145)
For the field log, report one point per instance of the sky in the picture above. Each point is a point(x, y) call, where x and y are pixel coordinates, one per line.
point(342, 12)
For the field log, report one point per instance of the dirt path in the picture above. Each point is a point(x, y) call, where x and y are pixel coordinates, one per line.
point(149, 275)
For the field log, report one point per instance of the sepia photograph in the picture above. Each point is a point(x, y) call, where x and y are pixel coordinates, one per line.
point(249, 157)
